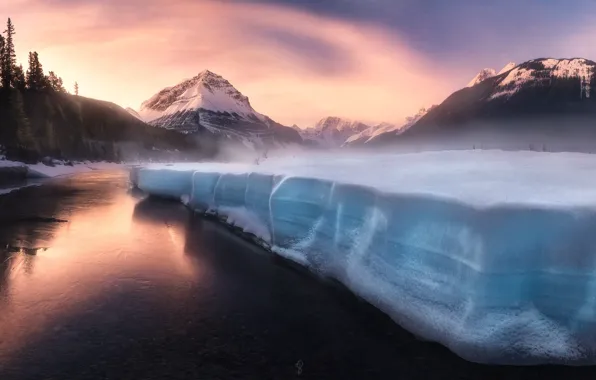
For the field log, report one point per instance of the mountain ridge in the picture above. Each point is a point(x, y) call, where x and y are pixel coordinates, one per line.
point(534, 99)
point(208, 103)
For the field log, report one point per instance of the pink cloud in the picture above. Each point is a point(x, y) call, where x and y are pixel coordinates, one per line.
point(294, 66)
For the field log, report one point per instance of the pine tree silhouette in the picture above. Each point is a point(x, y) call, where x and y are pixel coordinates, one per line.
point(8, 56)
point(55, 82)
point(36, 80)
point(2, 45)
point(18, 81)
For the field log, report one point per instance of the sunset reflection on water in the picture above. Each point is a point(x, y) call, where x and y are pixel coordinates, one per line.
point(110, 244)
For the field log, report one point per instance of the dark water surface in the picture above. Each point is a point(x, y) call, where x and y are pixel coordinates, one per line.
point(96, 283)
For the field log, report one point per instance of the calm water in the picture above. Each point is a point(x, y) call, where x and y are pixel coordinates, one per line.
point(97, 283)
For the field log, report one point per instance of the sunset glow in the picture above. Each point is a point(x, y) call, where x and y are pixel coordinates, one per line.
point(295, 65)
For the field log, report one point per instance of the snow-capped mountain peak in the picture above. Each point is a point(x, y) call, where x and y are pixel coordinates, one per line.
point(507, 67)
point(207, 91)
point(333, 131)
point(372, 133)
point(541, 72)
point(208, 103)
point(339, 124)
point(481, 76)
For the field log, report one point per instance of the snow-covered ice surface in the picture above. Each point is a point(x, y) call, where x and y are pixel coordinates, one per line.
point(491, 253)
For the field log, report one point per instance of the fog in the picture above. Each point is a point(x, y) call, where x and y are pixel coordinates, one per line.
point(576, 134)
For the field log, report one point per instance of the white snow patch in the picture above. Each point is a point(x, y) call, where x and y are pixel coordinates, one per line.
point(248, 221)
point(550, 63)
point(506, 68)
point(573, 68)
point(43, 171)
point(513, 82)
point(62, 170)
point(482, 76)
point(559, 68)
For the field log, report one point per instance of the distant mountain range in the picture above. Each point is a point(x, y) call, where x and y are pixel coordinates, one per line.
point(537, 89)
point(208, 103)
point(545, 103)
point(541, 104)
point(331, 132)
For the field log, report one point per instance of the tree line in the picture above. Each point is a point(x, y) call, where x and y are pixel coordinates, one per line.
point(13, 75)
point(18, 136)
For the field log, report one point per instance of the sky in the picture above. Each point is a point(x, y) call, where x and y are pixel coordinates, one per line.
point(297, 60)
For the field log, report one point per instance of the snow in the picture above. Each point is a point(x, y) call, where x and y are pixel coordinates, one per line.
point(371, 133)
point(43, 171)
point(207, 91)
point(550, 63)
point(506, 68)
point(559, 68)
point(332, 132)
point(482, 75)
point(374, 131)
point(573, 68)
point(513, 82)
point(487, 252)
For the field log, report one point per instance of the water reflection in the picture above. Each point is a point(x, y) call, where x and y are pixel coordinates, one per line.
point(72, 244)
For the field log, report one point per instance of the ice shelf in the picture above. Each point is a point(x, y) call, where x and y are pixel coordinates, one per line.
point(491, 253)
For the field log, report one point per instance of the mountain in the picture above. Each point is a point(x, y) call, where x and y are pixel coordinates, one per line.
point(507, 67)
point(481, 76)
point(332, 132)
point(363, 136)
point(133, 112)
point(208, 103)
point(47, 123)
point(484, 74)
point(371, 134)
point(540, 102)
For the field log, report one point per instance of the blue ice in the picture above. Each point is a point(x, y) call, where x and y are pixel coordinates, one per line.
point(500, 284)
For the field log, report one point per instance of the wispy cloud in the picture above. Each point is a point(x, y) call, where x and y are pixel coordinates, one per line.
point(295, 66)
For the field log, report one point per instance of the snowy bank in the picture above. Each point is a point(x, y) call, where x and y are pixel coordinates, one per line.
point(490, 253)
point(11, 171)
point(40, 170)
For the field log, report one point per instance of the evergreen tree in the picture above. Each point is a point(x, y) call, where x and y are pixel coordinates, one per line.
point(8, 56)
point(55, 82)
point(18, 81)
point(30, 76)
point(16, 124)
point(36, 80)
point(76, 88)
point(2, 44)
point(25, 138)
